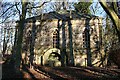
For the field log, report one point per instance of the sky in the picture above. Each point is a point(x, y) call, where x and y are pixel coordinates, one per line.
point(54, 0)
point(100, 9)
point(57, 0)
point(98, 13)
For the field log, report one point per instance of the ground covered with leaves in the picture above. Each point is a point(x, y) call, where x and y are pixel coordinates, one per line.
point(59, 73)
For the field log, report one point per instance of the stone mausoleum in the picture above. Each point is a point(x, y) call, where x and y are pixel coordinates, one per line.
point(63, 38)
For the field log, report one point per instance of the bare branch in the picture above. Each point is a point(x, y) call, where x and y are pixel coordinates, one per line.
point(17, 8)
point(39, 6)
point(6, 10)
point(111, 13)
point(6, 17)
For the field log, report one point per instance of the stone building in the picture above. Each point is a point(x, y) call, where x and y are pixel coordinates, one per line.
point(65, 36)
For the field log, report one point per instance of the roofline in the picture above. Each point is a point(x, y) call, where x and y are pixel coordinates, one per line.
point(59, 16)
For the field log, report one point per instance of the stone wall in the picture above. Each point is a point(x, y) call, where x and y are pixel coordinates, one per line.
point(44, 38)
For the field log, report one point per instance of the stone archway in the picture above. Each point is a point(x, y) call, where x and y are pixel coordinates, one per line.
point(51, 57)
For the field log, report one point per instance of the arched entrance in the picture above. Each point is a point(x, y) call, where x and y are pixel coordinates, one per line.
point(51, 57)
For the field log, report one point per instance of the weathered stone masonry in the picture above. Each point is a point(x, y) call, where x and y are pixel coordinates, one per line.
point(71, 42)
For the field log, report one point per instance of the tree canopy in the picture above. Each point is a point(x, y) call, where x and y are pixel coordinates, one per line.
point(82, 7)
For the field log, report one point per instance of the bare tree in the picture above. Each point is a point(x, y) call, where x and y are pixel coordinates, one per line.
point(113, 13)
point(19, 9)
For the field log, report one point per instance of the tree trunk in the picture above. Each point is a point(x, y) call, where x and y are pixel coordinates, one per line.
point(5, 41)
point(32, 43)
point(63, 53)
point(20, 37)
point(19, 46)
point(113, 15)
point(71, 44)
point(87, 41)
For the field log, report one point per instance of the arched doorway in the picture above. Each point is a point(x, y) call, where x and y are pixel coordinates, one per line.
point(51, 57)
